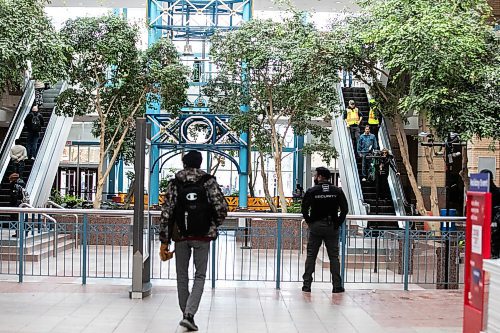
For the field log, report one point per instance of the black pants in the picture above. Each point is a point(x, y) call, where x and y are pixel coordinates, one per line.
point(495, 242)
point(319, 232)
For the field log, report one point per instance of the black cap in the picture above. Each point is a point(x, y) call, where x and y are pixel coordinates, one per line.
point(192, 159)
point(324, 172)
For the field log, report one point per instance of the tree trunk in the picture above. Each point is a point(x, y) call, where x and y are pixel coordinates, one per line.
point(429, 157)
point(265, 182)
point(279, 181)
point(403, 146)
point(130, 193)
point(253, 178)
point(464, 173)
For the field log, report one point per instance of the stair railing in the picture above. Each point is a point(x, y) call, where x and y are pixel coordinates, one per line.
point(54, 205)
point(50, 218)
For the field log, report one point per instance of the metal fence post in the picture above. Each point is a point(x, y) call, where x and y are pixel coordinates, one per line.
point(213, 263)
point(84, 250)
point(21, 246)
point(342, 257)
point(278, 255)
point(406, 264)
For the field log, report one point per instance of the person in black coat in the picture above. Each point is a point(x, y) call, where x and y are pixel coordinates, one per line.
point(33, 125)
point(320, 207)
point(495, 216)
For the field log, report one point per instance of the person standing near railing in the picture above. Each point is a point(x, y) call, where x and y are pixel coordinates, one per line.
point(320, 207)
point(18, 195)
point(194, 207)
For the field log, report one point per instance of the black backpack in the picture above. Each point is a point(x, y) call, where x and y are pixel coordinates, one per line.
point(36, 124)
point(193, 211)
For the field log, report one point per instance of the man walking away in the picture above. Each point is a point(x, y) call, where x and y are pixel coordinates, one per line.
point(39, 88)
point(33, 123)
point(366, 144)
point(194, 208)
point(18, 155)
point(320, 208)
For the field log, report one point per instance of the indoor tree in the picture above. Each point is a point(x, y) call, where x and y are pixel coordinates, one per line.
point(27, 37)
point(441, 59)
point(114, 80)
point(280, 72)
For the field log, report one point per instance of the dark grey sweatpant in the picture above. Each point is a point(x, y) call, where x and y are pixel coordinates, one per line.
point(319, 232)
point(189, 301)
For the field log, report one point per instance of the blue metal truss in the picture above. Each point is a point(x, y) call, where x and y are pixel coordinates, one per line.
point(195, 19)
point(194, 131)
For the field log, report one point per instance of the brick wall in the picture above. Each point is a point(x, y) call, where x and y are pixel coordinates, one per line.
point(483, 148)
point(495, 4)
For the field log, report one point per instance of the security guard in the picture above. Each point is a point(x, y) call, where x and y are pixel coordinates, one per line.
point(373, 117)
point(320, 208)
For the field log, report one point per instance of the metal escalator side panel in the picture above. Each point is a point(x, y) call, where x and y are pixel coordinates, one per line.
point(46, 164)
point(16, 126)
point(349, 176)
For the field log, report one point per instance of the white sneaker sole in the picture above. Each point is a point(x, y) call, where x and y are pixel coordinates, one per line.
point(186, 324)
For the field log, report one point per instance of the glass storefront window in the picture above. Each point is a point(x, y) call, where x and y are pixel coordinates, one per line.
point(94, 155)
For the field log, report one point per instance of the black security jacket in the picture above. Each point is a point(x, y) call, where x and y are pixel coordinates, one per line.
point(324, 201)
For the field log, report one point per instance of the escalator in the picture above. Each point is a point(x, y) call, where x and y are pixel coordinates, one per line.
point(39, 173)
point(395, 205)
point(14, 130)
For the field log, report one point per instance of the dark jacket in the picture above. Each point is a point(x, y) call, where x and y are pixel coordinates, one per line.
point(367, 143)
point(385, 163)
point(16, 195)
point(28, 122)
point(324, 201)
point(168, 228)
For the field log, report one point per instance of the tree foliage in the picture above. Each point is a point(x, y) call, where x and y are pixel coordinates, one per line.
point(113, 79)
point(280, 71)
point(27, 35)
point(441, 59)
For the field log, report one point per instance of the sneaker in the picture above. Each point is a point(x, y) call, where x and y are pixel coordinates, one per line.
point(337, 290)
point(364, 179)
point(188, 322)
point(306, 289)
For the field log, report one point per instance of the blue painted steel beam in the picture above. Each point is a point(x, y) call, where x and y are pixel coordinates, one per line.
point(120, 176)
point(154, 35)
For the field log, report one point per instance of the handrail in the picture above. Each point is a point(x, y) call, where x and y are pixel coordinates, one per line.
point(48, 217)
point(16, 125)
point(52, 203)
point(110, 212)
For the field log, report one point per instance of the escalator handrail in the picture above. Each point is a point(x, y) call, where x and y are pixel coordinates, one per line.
point(16, 125)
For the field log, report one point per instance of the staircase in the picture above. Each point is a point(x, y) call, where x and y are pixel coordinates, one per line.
point(383, 206)
point(36, 247)
point(46, 111)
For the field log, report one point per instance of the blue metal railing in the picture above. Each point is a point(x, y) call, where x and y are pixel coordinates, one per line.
point(268, 249)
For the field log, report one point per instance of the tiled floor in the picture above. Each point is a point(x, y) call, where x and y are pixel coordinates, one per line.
point(52, 306)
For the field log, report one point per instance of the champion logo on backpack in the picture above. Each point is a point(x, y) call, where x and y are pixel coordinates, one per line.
point(192, 196)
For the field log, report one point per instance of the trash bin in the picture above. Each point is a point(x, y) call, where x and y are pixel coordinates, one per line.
point(448, 226)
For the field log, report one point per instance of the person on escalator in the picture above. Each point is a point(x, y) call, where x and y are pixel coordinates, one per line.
point(353, 120)
point(39, 88)
point(386, 161)
point(18, 155)
point(367, 143)
point(374, 117)
point(18, 195)
point(33, 124)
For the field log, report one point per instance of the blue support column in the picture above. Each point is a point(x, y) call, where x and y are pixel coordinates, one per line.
point(300, 160)
point(120, 176)
point(154, 181)
point(243, 181)
point(111, 181)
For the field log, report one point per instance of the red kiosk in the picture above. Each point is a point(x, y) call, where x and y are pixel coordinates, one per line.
point(478, 236)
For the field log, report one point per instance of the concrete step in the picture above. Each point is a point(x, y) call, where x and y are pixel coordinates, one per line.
point(38, 255)
point(8, 240)
point(31, 245)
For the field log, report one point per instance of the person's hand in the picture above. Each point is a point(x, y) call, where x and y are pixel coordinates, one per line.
point(165, 254)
